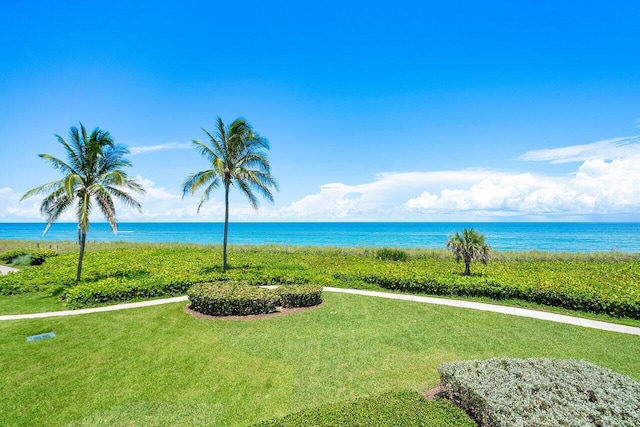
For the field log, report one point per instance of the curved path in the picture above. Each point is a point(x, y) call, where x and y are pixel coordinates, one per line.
point(6, 270)
point(514, 311)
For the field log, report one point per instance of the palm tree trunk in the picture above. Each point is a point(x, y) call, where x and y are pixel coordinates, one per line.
point(83, 240)
point(467, 268)
point(226, 227)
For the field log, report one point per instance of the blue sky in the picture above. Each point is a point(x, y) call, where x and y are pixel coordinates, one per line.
point(376, 111)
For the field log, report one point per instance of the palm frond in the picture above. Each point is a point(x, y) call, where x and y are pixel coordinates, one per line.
point(53, 206)
point(45, 188)
point(210, 177)
point(247, 191)
point(106, 205)
point(83, 211)
point(124, 197)
point(207, 152)
point(206, 194)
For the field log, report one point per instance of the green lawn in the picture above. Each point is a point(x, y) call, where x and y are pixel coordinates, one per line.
point(159, 366)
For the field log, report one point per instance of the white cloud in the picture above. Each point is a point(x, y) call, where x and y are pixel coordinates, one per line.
point(597, 187)
point(380, 199)
point(167, 146)
point(607, 149)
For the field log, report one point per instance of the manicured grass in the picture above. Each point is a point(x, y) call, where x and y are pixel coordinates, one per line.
point(159, 366)
point(29, 303)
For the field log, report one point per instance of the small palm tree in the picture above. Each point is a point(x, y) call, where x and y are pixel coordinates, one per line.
point(93, 175)
point(468, 247)
point(236, 156)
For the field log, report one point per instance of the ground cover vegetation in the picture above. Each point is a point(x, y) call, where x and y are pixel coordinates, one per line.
point(503, 392)
point(159, 366)
point(596, 283)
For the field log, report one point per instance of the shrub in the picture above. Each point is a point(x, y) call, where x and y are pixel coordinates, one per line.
point(8, 256)
point(390, 254)
point(542, 392)
point(121, 289)
point(39, 256)
point(26, 256)
point(597, 287)
point(232, 299)
point(404, 408)
point(21, 261)
point(300, 295)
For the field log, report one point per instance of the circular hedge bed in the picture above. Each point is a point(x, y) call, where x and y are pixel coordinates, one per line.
point(241, 299)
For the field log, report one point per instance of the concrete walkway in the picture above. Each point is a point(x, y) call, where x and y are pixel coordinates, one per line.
point(95, 309)
point(6, 270)
point(514, 311)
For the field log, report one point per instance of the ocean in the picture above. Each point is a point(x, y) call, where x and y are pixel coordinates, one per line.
point(521, 236)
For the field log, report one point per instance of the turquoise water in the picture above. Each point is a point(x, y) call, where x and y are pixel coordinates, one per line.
point(564, 237)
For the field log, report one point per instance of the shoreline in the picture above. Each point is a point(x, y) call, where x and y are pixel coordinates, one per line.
point(71, 245)
point(520, 236)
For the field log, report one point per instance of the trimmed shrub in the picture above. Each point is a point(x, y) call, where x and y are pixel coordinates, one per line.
point(390, 254)
point(541, 392)
point(121, 289)
point(300, 295)
point(405, 408)
point(516, 285)
point(232, 299)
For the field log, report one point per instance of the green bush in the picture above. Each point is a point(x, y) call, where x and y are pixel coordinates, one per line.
point(26, 256)
point(573, 298)
point(300, 295)
point(541, 392)
point(405, 408)
point(232, 299)
point(39, 256)
point(611, 288)
point(8, 256)
point(119, 289)
point(390, 254)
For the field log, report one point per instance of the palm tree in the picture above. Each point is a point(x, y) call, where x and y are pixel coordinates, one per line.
point(92, 175)
point(469, 246)
point(237, 157)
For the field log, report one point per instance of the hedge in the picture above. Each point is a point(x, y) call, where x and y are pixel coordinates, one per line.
point(300, 295)
point(503, 392)
point(400, 408)
point(232, 299)
point(117, 289)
